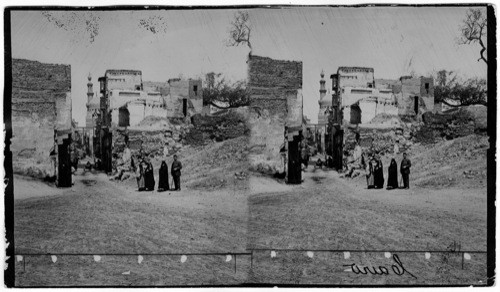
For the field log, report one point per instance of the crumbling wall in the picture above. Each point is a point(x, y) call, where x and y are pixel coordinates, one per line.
point(422, 88)
point(271, 83)
point(41, 103)
point(368, 108)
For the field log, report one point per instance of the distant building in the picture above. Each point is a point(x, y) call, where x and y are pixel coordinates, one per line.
point(126, 100)
point(414, 95)
point(361, 100)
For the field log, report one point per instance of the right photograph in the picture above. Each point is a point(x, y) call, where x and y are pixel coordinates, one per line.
point(369, 145)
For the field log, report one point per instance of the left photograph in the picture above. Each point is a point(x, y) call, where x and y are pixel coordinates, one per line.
point(129, 148)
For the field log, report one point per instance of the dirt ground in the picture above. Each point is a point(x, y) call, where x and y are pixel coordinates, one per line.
point(102, 217)
point(140, 237)
point(443, 212)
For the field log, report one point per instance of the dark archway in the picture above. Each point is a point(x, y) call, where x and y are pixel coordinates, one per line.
point(415, 105)
point(123, 117)
point(355, 114)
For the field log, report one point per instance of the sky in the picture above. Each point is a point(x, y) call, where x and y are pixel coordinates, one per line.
point(395, 41)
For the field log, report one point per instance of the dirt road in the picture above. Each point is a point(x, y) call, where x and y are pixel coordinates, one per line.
point(328, 212)
point(294, 228)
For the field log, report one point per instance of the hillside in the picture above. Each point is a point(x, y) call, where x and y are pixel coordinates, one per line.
point(460, 162)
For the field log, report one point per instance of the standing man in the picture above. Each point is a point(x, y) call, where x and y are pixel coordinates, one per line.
point(176, 173)
point(405, 171)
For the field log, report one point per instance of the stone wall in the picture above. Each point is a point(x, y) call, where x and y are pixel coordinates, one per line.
point(275, 98)
point(41, 104)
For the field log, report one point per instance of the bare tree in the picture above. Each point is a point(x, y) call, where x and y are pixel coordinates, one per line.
point(85, 25)
point(240, 30)
point(82, 24)
point(473, 30)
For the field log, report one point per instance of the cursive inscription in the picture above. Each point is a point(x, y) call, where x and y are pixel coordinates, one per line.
point(397, 268)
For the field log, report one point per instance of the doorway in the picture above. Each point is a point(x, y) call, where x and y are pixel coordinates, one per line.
point(415, 105)
point(64, 164)
point(184, 107)
point(294, 166)
point(355, 114)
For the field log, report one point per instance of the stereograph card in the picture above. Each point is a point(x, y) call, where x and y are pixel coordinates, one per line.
point(250, 146)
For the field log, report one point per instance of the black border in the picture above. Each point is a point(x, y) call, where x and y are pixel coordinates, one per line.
point(9, 273)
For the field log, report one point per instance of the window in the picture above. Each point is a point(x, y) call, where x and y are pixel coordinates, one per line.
point(427, 88)
point(195, 89)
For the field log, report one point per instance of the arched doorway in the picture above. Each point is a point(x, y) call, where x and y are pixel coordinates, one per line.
point(355, 114)
point(123, 117)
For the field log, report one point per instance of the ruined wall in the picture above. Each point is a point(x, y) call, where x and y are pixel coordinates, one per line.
point(195, 95)
point(351, 96)
point(41, 103)
point(427, 92)
point(387, 107)
point(271, 84)
point(368, 108)
point(184, 89)
point(423, 88)
point(156, 86)
point(295, 109)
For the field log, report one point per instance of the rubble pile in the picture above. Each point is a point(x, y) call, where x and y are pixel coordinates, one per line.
point(381, 140)
point(461, 161)
point(216, 164)
point(222, 126)
point(459, 122)
point(152, 142)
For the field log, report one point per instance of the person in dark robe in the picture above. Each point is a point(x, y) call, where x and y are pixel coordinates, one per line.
point(140, 177)
point(370, 181)
point(405, 171)
point(163, 177)
point(304, 154)
point(149, 177)
point(378, 171)
point(176, 173)
point(392, 180)
point(329, 161)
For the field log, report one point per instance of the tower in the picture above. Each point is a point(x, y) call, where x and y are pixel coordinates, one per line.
point(90, 90)
point(322, 89)
point(324, 102)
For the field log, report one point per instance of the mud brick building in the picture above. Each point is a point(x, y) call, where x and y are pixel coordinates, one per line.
point(276, 123)
point(41, 119)
point(415, 95)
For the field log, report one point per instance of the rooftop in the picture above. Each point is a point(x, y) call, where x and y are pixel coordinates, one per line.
point(123, 72)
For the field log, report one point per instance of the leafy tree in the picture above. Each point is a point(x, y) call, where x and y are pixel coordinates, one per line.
point(473, 30)
point(466, 92)
point(472, 91)
point(222, 94)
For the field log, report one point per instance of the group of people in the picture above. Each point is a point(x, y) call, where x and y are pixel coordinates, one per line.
point(146, 180)
point(375, 173)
